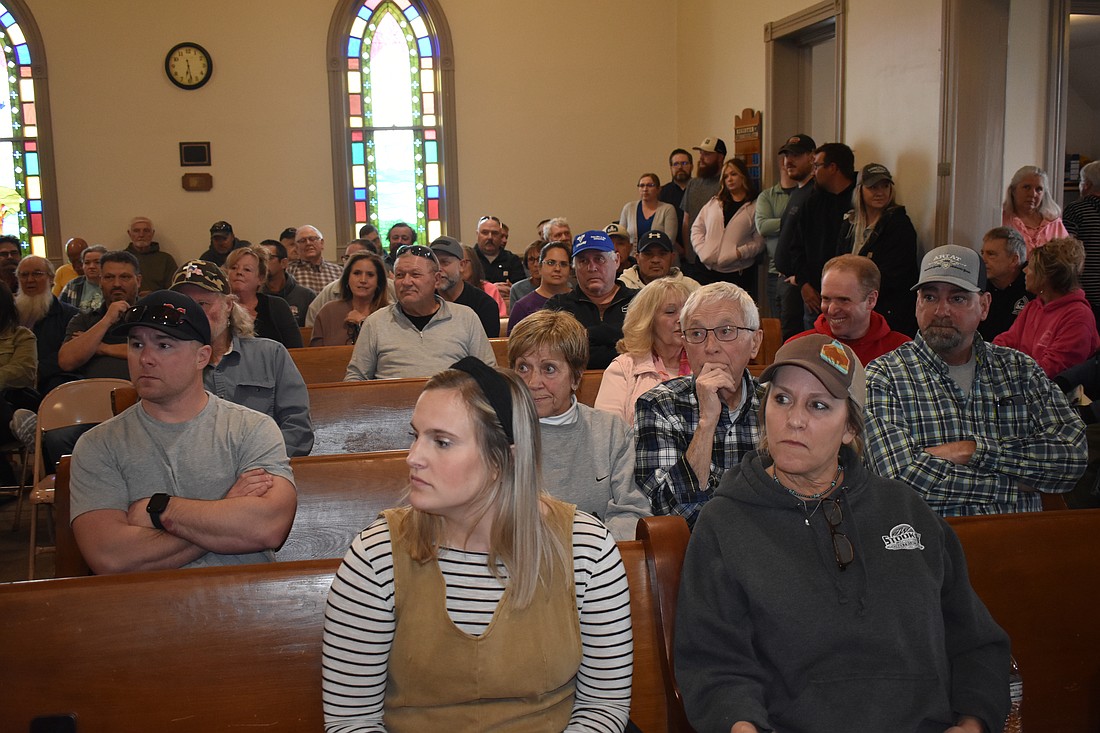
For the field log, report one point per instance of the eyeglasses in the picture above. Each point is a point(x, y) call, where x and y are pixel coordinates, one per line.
point(416, 250)
point(308, 240)
point(165, 314)
point(722, 333)
point(35, 275)
point(843, 551)
point(647, 185)
point(10, 253)
point(682, 164)
point(555, 263)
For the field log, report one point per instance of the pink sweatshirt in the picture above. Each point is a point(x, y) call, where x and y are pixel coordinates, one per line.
point(1057, 335)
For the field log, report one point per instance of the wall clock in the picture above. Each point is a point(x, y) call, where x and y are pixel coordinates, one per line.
point(188, 65)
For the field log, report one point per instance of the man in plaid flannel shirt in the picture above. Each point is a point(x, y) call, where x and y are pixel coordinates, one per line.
point(975, 428)
point(689, 430)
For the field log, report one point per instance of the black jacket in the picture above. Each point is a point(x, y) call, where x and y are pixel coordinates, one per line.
point(893, 247)
point(603, 333)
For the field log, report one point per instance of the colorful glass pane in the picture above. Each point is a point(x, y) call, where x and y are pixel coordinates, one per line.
point(391, 111)
point(21, 206)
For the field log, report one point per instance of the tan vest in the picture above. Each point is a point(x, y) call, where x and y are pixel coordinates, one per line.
point(518, 676)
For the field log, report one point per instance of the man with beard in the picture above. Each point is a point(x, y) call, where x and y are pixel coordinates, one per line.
point(45, 315)
point(654, 262)
point(502, 268)
point(974, 428)
point(679, 165)
point(699, 190)
point(453, 289)
point(774, 208)
point(90, 348)
point(10, 253)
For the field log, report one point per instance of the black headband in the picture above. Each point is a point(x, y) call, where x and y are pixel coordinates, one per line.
point(494, 386)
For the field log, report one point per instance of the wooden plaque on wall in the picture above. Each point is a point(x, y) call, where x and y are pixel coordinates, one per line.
point(746, 142)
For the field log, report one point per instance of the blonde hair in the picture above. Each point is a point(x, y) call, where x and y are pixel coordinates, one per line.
point(1048, 207)
point(638, 324)
point(520, 538)
point(1059, 263)
point(256, 251)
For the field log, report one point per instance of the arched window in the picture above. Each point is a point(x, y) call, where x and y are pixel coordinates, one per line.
point(396, 117)
point(27, 190)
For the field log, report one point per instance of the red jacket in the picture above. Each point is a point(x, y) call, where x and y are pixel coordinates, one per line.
point(878, 340)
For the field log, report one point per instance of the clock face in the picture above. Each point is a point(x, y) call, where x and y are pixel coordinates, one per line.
point(188, 65)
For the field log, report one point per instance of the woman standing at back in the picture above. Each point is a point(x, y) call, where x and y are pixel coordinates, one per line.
point(1029, 209)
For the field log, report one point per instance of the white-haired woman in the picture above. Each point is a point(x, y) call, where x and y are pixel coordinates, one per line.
point(486, 604)
point(651, 350)
point(1029, 209)
point(254, 372)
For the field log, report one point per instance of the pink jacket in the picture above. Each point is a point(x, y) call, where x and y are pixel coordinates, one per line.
point(1057, 335)
point(626, 379)
point(1050, 229)
point(729, 248)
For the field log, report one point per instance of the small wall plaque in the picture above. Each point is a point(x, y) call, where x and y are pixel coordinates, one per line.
point(197, 181)
point(194, 154)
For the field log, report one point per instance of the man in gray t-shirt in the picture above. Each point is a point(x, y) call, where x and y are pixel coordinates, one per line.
point(183, 478)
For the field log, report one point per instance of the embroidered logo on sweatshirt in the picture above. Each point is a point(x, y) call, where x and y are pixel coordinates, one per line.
point(903, 537)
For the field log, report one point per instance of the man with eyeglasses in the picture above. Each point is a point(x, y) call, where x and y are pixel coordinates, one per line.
point(690, 430)
point(599, 300)
point(502, 267)
point(44, 314)
point(974, 428)
point(11, 252)
point(680, 163)
point(282, 283)
point(421, 334)
point(156, 264)
point(183, 478)
point(222, 242)
point(312, 270)
point(451, 255)
point(90, 347)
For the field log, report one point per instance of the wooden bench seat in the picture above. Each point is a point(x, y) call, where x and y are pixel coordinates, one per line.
point(209, 650)
point(365, 417)
point(322, 364)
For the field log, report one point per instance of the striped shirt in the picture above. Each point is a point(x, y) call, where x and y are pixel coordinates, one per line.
point(1082, 219)
point(360, 625)
point(1026, 433)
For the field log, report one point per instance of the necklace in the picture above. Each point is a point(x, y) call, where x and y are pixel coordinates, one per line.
point(802, 498)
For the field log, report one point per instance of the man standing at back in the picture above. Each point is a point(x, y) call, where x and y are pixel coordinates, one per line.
point(680, 163)
point(816, 225)
point(183, 478)
point(1082, 220)
point(421, 334)
point(157, 265)
point(699, 190)
point(974, 428)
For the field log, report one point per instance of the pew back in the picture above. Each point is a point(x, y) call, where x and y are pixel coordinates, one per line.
point(208, 650)
point(320, 364)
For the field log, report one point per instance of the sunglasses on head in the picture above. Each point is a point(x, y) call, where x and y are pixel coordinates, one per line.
point(417, 250)
point(488, 217)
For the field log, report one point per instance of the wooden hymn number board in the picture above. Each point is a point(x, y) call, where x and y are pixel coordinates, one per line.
point(746, 142)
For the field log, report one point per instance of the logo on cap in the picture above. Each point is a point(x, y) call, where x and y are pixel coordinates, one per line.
point(948, 261)
point(794, 140)
point(835, 356)
point(192, 270)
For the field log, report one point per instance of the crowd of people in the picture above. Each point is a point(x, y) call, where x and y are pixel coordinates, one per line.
point(909, 388)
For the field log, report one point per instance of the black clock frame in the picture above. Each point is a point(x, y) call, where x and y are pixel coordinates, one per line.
point(200, 49)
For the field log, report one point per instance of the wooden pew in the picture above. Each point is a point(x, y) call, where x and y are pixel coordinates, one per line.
point(364, 417)
point(500, 349)
point(209, 650)
point(321, 364)
point(773, 339)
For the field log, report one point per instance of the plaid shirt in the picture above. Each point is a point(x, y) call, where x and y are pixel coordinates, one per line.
point(314, 277)
point(1025, 430)
point(665, 419)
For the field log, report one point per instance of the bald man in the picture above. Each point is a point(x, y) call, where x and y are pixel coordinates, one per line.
point(74, 252)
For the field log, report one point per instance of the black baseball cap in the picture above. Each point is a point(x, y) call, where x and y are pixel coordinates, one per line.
point(171, 313)
point(655, 238)
point(221, 227)
point(799, 144)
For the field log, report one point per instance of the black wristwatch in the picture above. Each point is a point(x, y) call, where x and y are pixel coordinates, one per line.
point(157, 504)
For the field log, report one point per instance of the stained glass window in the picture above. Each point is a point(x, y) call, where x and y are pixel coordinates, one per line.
point(393, 119)
point(21, 204)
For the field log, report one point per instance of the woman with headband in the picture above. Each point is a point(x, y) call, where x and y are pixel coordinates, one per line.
point(485, 604)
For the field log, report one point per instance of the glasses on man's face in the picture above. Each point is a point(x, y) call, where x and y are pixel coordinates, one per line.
point(9, 254)
point(722, 333)
point(165, 314)
point(308, 240)
point(842, 546)
point(417, 250)
point(33, 275)
point(682, 164)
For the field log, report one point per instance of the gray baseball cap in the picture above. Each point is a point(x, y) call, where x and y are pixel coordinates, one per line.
point(955, 265)
point(448, 246)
